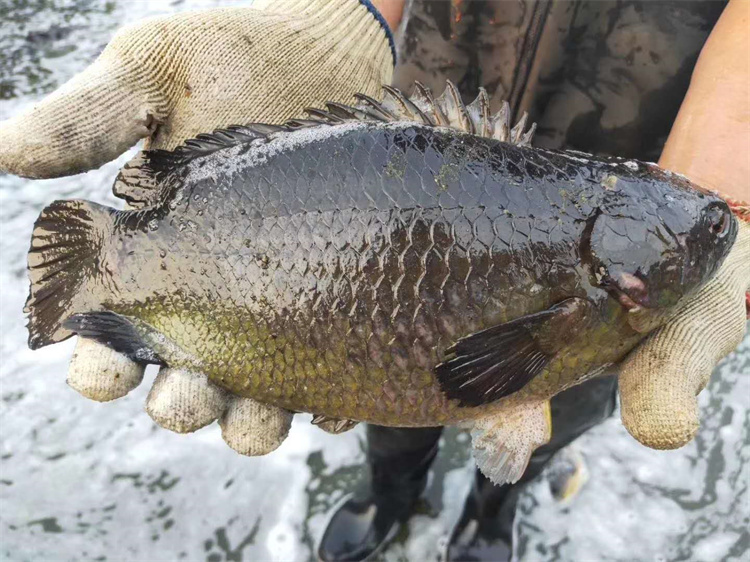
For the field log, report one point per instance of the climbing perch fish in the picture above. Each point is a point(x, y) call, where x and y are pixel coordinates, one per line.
point(410, 262)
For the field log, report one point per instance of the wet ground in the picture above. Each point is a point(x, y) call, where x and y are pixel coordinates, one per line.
point(87, 481)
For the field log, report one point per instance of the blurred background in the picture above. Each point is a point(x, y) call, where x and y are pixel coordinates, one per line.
point(87, 481)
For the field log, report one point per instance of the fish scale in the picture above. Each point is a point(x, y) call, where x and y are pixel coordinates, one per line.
point(381, 269)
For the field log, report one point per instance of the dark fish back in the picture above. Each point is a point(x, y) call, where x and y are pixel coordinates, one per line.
point(376, 166)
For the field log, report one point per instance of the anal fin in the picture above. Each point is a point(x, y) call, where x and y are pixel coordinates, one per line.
point(503, 443)
point(333, 425)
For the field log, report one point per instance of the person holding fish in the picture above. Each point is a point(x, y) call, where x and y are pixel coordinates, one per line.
point(599, 77)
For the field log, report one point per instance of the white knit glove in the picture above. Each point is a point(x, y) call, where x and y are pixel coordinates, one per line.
point(660, 381)
point(170, 78)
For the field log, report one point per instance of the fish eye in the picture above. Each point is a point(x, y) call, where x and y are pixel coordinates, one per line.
point(718, 220)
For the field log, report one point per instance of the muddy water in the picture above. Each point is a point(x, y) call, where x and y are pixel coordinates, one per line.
point(87, 481)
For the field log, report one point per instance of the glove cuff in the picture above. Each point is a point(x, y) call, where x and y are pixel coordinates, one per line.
point(384, 24)
point(332, 11)
point(741, 209)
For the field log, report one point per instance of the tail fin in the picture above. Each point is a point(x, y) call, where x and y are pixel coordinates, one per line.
point(64, 254)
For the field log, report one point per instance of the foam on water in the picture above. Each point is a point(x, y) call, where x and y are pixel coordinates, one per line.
point(81, 480)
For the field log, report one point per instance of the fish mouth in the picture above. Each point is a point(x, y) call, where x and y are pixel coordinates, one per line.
point(627, 289)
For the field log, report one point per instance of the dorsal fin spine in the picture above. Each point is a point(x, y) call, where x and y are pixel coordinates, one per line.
point(424, 94)
point(375, 105)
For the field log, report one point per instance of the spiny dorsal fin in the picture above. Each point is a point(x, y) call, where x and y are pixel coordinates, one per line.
point(479, 114)
point(423, 98)
point(422, 107)
point(374, 108)
point(143, 181)
point(403, 107)
point(454, 109)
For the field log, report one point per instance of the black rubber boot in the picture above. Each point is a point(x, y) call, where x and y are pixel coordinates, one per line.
point(369, 519)
point(485, 529)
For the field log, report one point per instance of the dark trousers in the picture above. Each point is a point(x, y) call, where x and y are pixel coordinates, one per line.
point(400, 457)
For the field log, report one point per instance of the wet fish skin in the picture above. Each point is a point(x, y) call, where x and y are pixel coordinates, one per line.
point(330, 270)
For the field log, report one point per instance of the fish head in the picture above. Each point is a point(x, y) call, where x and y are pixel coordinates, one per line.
point(656, 242)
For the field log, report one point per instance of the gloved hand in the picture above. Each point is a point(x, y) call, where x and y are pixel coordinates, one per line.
point(170, 78)
point(660, 381)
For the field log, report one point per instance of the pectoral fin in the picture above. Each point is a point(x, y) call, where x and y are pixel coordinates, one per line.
point(503, 443)
point(501, 360)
